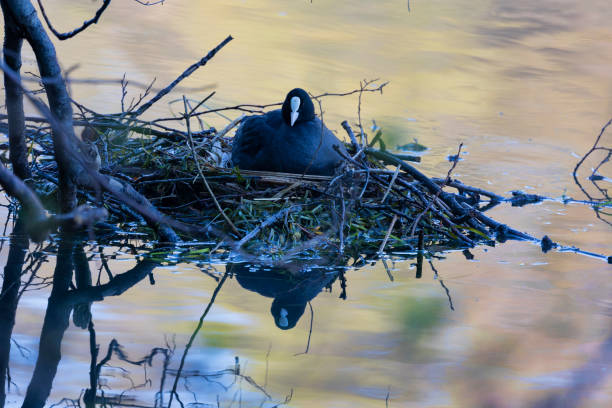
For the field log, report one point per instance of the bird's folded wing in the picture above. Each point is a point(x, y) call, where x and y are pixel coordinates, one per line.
point(250, 142)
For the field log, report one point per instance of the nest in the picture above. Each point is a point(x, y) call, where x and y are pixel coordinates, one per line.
point(376, 202)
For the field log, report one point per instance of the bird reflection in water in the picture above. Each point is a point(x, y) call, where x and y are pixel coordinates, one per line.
point(292, 285)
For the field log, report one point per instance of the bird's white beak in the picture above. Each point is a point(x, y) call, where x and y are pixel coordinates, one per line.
point(283, 322)
point(295, 105)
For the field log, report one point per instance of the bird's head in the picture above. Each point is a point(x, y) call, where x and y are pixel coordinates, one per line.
point(287, 312)
point(297, 107)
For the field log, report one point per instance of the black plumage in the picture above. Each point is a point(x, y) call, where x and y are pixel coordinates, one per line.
point(290, 140)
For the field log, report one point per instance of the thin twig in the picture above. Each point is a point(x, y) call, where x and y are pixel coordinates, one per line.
point(229, 127)
point(65, 36)
point(269, 221)
point(387, 235)
point(395, 173)
point(351, 135)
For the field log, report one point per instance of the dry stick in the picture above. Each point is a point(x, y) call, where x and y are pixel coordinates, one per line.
point(342, 219)
point(351, 135)
point(379, 88)
point(356, 163)
point(270, 220)
point(389, 158)
point(397, 169)
point(65, 36)
point(248, 108)
point(195, 158)
point(184, 100)
point(124, 85)
point(362, 135)
point(202, 102)
point(134, 104)
point(462, 187)
point(229, 127)
point(193, 336)
point(387, 235)
point(184, 75)
point(287, 189)
point(414, 190)
point(431, 202)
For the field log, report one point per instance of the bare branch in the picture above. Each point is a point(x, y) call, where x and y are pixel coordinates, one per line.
point(65, 36)
point(184, 75)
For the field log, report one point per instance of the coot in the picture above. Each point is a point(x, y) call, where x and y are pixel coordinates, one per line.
point(290, 140)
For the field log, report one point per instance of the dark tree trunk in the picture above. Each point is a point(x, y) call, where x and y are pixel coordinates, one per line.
point(31, 28)
point(13, 41)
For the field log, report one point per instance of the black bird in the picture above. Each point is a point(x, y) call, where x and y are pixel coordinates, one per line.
point(289, 140)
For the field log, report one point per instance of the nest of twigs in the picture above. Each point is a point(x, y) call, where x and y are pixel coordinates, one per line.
point(377, 202)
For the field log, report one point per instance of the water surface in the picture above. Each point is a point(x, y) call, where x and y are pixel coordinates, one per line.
point(525, 85)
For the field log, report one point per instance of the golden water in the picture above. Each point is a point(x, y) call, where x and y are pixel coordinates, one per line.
point(525, 85)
